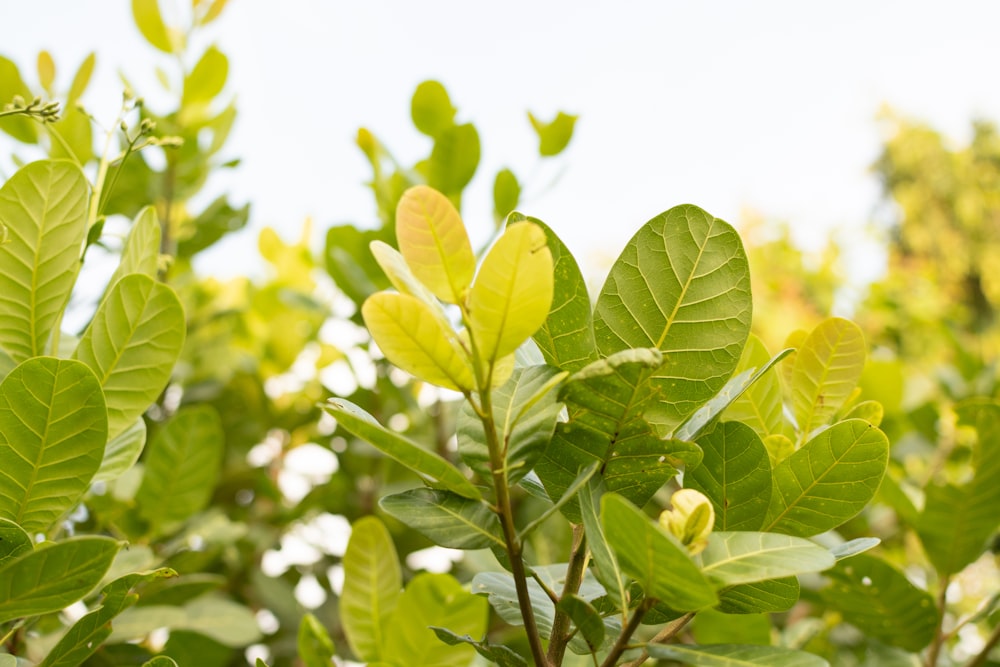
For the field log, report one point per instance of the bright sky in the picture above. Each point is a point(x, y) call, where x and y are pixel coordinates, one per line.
point(730, 105)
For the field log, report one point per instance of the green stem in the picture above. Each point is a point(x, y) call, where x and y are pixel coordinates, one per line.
point(983, 655)
point(665, 634)
point(560, 635)
point(622, 643)
point(942, 600)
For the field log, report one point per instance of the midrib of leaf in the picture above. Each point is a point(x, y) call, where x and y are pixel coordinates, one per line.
point(684, 288)
point(440, 249)
point(471, 524)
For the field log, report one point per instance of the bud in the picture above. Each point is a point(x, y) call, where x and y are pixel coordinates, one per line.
point(690, 520)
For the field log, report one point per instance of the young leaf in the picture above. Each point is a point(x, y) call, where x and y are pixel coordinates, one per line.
point(44, 207)
point(681, 285)
point(207, 78)
point(554, 136)
point(150, 23)
point(506, 194)
point(372, 583)
point(81, 80)
point(413, 337)
point(132, 344)
point(431, 109)
point(735, 475)
point(827, 368)
point(13, 541)
point(773, 595)
point(759, 407)
point(445, 518)
point(829, 480)
point(512, 294)
point(735, 655)
point(47, 580)
point(433, 240)
point(747, 557)
point(454, 159)
point(655, 560)
point(881, 602)
point(20, 127)
point(434, 600)
point(435, 470)
point(141, 252)
point(46, 70)
point(316, 649)
point(53, 428)
point(182, 464)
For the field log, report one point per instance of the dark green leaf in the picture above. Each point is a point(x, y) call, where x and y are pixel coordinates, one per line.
point(735, 474)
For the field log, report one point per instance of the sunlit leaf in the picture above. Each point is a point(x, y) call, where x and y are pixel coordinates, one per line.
point(21, 128)
point(13, 541)
point(554, 136)
point(746, 557)
point(315, 647)
point(431, 109)
point(759, 407)
point(773, 595)
point(372, 583)
point(206, 79)
point(506, 193)
point(122, 452)
point(141, 251)
point(150, 22)
point(46, 70)
point(446, 518)
point(81, 79)
point(735, 655)
point(454, 159)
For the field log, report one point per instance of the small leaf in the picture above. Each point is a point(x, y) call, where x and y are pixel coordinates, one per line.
point(46, 70)
point(436, 470)
point(829, 480)
point(445, 518)
point(498, 654)
point(655, 560)
point(746, 557)
point(454, 159)
point(512, 294)
point(431, 109)
point(150, 23)
point(735, 655)
point(506, 193)
point(316, 649)
point(553, 136)
point(81, 79)
point(372, 583)
point(206, 79)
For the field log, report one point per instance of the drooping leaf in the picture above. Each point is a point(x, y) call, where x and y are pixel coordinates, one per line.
point(735, 655)
point(434, 469)
point(827, 368)
point(759, 407)
point(372, 583)
point(829, 480)
point(681, 285)
point(434, 600)
point(500, 655)
point(745, 557)
point(454, 159)
point(13, 541)
point(141, 252)
point(446, 518)
point(150, 23)
point(131, 345)
point(654, 559)
point(774, 595)
point(122, 452)
point(47, 580)
point(881, 602)
point(53, 428)
point(414, 338)
point(431, 109)
point(183, 461)
point(554, 136)
point(735, 475)
point(512, 293)
point(44, 208)
point(206, 79)
point(316, 649)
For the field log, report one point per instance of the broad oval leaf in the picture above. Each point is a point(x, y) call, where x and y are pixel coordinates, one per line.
point(655, 560)
point(44, 208)
point(454, 159)
point(53, 428)
point(681, 285)
point(431, 109)
point(827, 368)
point(735, 655)
point(445, 518)
point(773, 595)
point(372, 583)
point(433, 240)
point(414, 338)
point(735, 474)
point(433, 468)
point(512, 294)
point(183, 461)
point(50, 579)
point(746, 557)
point(829, 480)
point(131, 345)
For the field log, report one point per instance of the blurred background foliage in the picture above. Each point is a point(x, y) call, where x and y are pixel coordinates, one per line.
point(262, 353)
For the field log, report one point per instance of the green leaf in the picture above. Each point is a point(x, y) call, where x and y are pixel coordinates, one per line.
point(745, 557)
point(13, 541)
point(454, 159)
point(81, 80)
point(714, 627)
point(431, 109)
point(50, 579)
point(122, 452)
point(316, 649)
point(44, 207)
point(512, 294)
point(131, 345)
point(735, 474)
point(141, 251)
point(85, 637)
point(759, 407)
point(434, 469)
point(506, 193)
point(654, 559)
point(434, 600)
point(183, 461)
point(160, 661)
point(20, 127)
point(827, 368)
point(774, 595)
point(372, 583)
point(445, 518)
point(223, 620)
point(525, 411)
point(554, 136)
point(735, 655)
point(53, 428)
point(46, 70)
point(881, 602)
point(854, 547)
point(870, 411)
point(681, 285)
point(607, 571)
point(150, 23)
point(585, 617)
point(206, 79)
point(566, 339)
point(829, 480)
point(495, 653)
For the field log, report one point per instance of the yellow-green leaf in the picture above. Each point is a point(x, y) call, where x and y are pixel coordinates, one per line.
point(513, 291)
point(826, 370)
point(150, 23)
point(412, 337)
point(207, 78)
point(434, 242)
point(46, 70)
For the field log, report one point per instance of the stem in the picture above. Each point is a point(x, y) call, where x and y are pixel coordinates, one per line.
point(661, 637)
point(560, 635)
point(621, 644)
point(980, 659)
point(939, 637)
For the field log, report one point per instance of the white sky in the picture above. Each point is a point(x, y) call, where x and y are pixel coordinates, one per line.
point(769, 105)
